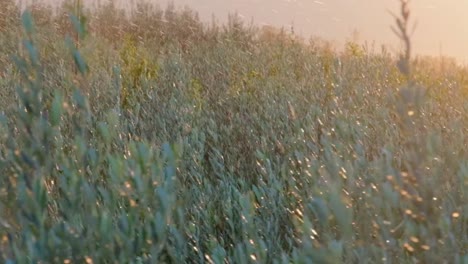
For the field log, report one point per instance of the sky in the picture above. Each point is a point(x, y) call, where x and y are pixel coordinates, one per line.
point(442, 25)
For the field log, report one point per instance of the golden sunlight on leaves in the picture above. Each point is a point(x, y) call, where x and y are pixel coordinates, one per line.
point(425, 247)
point(408, 247)
point(222, 142)
point(89, 260)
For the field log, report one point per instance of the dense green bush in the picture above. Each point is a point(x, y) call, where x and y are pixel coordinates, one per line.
point(235, 145)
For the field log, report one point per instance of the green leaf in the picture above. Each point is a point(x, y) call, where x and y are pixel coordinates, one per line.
point(343, 215)
point(28, 22)
point(104, 131)
point(336, 248)
point(80, 62)
point(80, 100)
point(56, 109)
point(79, 26)
point(219, 255)
point(33, 53)
point(320, 210)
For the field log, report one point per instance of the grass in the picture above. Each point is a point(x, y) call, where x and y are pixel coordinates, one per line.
point(155, 138)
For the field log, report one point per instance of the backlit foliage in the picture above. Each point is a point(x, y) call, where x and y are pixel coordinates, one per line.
point(155, 138)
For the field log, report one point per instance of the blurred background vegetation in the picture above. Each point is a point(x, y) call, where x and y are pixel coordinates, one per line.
point(148, 136)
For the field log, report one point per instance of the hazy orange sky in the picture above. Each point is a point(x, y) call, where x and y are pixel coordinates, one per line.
point(442, 24)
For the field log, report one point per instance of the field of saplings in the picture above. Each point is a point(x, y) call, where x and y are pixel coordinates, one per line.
point(151, 136)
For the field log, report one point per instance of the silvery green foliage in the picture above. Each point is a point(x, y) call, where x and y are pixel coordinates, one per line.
point(273, 151)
